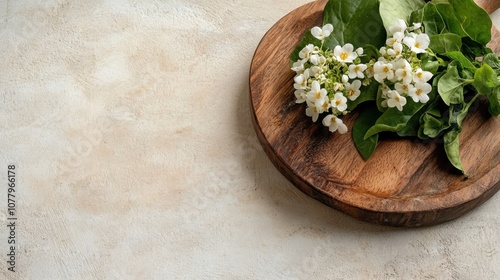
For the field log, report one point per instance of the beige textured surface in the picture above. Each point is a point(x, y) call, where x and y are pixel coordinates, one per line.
point(129, 125)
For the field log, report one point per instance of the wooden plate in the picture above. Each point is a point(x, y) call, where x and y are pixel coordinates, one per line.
point(407, 182)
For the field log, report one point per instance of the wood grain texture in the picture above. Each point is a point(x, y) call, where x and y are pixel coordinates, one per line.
point(407, 182)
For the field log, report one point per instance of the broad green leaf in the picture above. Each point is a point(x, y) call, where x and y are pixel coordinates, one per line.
point(428, 63)
point(492, 60)
point(445, 43)
point(433, 126)
point(432, 20)
point(417, 16)
point(475, 21)
point(365, 120)
point(494, 98)
point(391, 10)
point(485, 79)
point(460, 58)
point(370, 51)
point(450, 88)
point(413, 125)
point(393, 120)
point(354, 21)
point(452, 148)
point(450, 19)
point(368, 93)
point(473, 49)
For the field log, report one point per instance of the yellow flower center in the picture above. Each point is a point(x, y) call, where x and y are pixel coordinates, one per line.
point(325, 106)
point(344, 55)
point(337, 102)
point(417, 45)
point(419, 75)
point(405, 87)
point(418, 92)
point(351, 92)
point(318, 94)
point(386, 69)
point(356, 69)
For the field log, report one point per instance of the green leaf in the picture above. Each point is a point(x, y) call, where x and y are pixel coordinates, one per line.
point(370, 51)
point(432, 20)
point(413, 125)
point(452, 148)
point(433, 125)
point(417, 16)
point(368, 93)
point(485, 79)
point(391, 10)
point(494, 98)
point(460, 58)
point(393, 120)
point(450, 88)
point(355, 21)
point(475, 21)
point(428, 63)
point(492, 60)
point(365, 120)
point(445, 43)
point(453, 25)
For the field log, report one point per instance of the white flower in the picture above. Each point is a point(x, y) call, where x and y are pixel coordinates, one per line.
point(334, 124)
point(298, 67)
point(339, 102)
point(338, 86)
point(360, 51)
point(403, 87)
point(306, 51)
point(405, 73)
point(383, 71)
point(301, 96)
point(395, 100)
point(316, 93)
point(345, 53)
point(317, 59)
point(399, 26)
point(356, 71)
point(421, 76)
point(396, 38)
point(353, 91)
point(419, 44)
point(316, 70)
point(301, 80)
point(420, 92)
point(417, 25)
point(312, 111)
point(345, 79)
point(383, 51)
point(396, 50)
point(322, 33)
point(322, 104)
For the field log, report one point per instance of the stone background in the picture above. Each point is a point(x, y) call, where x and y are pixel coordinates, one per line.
point(129, 125)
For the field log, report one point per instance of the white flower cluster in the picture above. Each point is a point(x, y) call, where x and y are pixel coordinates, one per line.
point(325, 79)
point(398, 69)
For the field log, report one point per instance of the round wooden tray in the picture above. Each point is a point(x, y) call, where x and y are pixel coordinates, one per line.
point(405, 183)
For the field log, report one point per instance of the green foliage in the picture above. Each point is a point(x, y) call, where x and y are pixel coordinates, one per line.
point(391, 10)
point(365, 120)
point(451, 88)
point(459, 31)
point(445, 43)
point(355, 21)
